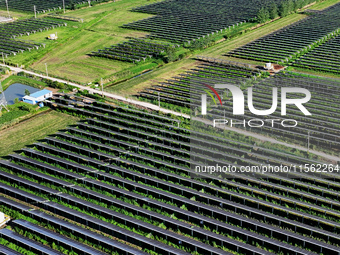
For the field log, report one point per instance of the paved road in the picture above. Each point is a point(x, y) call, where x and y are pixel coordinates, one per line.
point(156, 108)
point(107, 94)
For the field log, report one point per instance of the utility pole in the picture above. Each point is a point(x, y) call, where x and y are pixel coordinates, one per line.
point(3, 101)
point(3, 59)
point(308, 142)
point(159, 101)
point(89, 3)
point(7, 9)
point(46, 69)
point(64, 5)
point(101, 83)
point(35, 11)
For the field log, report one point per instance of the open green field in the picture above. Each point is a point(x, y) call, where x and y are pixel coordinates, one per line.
point(33, 129)
point(67, 57)
point(14, 14)
point(133, 86)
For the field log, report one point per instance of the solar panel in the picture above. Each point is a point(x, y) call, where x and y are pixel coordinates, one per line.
point(74, 245)
point(28, 243)
point(111, 229)
point(7, 251)
point(24, 182)
point(13, 204)
point(44, 166)
point(89, 235)
point(17, 193)
point(35, 174)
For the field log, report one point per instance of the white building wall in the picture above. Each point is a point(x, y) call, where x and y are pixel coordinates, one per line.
point(42, 98)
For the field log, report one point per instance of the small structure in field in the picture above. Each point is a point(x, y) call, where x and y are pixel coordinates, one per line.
point(38, 97)
point(53, 36)
point(269, 66)
point(3, 219)
point(5, 19)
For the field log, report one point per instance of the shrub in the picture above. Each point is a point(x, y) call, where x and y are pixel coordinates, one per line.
point(273, 11)
point(27, 107)
point(262, 15)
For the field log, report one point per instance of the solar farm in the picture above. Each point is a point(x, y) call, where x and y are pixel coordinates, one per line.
point(41, 5)
point(10, 42)
point(185, 21)
point(322, 128)
point(292, 42)
point(136, 163)
point(122, 172)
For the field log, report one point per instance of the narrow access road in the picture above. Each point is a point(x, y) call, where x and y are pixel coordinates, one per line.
point(156, 108)
point(107, 94)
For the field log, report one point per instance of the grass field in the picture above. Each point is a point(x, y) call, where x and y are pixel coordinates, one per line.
point(323, 5)
point(133, 86)
point(31, 130)
point(67, 57)
point(14, 14)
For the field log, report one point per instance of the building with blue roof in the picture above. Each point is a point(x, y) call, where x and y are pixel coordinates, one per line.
point(38, 97)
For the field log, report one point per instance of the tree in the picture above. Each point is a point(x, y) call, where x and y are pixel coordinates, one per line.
point(72, 5)
point(290, 6)
point(273, 11)
point(27, 107)
point(298, 4)
point(283, 9)
point(16, 100)
point(27, 92)
point(262, 15)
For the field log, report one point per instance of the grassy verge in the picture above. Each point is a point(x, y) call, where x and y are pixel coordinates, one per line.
point(31, 130)
point(222, 48)
point(133, 86)
point(15, 14)
point(23, 80)
point(323, 5)
point(314, 72)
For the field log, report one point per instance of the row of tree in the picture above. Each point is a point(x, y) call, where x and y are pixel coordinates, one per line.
point(282, 10)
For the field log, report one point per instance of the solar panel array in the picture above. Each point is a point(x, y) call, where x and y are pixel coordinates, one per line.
point(126, 173)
